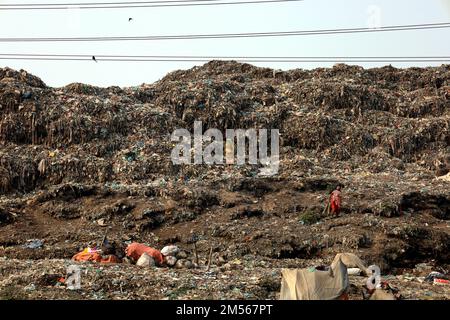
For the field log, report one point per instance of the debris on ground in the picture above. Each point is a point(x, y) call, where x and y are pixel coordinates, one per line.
point(34, 244)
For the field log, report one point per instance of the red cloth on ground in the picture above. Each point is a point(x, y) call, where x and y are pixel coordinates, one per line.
point(135, 251)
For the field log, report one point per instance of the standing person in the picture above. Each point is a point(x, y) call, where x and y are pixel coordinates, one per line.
point(335, 201)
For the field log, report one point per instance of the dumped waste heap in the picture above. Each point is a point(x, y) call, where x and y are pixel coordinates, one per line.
point(78, 159)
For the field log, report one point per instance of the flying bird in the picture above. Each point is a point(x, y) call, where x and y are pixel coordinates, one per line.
point(93, 58)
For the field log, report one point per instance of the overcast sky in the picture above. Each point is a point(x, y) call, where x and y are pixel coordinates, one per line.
point(310, 14)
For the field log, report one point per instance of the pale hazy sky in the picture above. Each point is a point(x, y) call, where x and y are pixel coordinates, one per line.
point(307, 15)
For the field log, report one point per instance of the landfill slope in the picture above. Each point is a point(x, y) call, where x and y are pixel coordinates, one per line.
point(79, 160)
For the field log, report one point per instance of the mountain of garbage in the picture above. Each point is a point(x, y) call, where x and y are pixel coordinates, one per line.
point(78, 160)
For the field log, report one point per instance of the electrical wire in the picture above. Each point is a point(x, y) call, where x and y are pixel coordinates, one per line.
point(128, 5)
point(111, 58)
point(237, 35)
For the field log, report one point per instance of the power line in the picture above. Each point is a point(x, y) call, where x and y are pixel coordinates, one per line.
point(127, 5)
point(239, 59)
point(238, 35)
point(99, 3)
point(89, 56)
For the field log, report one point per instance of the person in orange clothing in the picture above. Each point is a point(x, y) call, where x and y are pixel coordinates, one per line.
point(107, 254)
point(335, 201)
point(88, 255)
point(135, 251)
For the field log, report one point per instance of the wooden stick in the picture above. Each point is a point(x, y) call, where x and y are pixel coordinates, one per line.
point(196, 253)
point(209, 258)
point(326, 210)
point(104, 238)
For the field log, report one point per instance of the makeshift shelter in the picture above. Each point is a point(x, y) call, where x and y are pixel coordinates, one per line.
point(351, 261)
point(312, 284)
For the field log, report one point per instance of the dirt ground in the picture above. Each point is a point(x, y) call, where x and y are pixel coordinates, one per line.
point(63, 183)
point(253, 238)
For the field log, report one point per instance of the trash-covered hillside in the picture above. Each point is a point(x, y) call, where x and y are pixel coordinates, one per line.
point(80, 163)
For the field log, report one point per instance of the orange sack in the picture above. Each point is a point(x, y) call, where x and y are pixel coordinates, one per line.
point(136, 250)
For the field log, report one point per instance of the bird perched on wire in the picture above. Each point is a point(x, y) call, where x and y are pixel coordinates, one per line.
point(129, 19)
point(93, 58)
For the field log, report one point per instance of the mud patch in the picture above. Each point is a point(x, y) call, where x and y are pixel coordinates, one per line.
point(6, 217)
point(437, 205)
